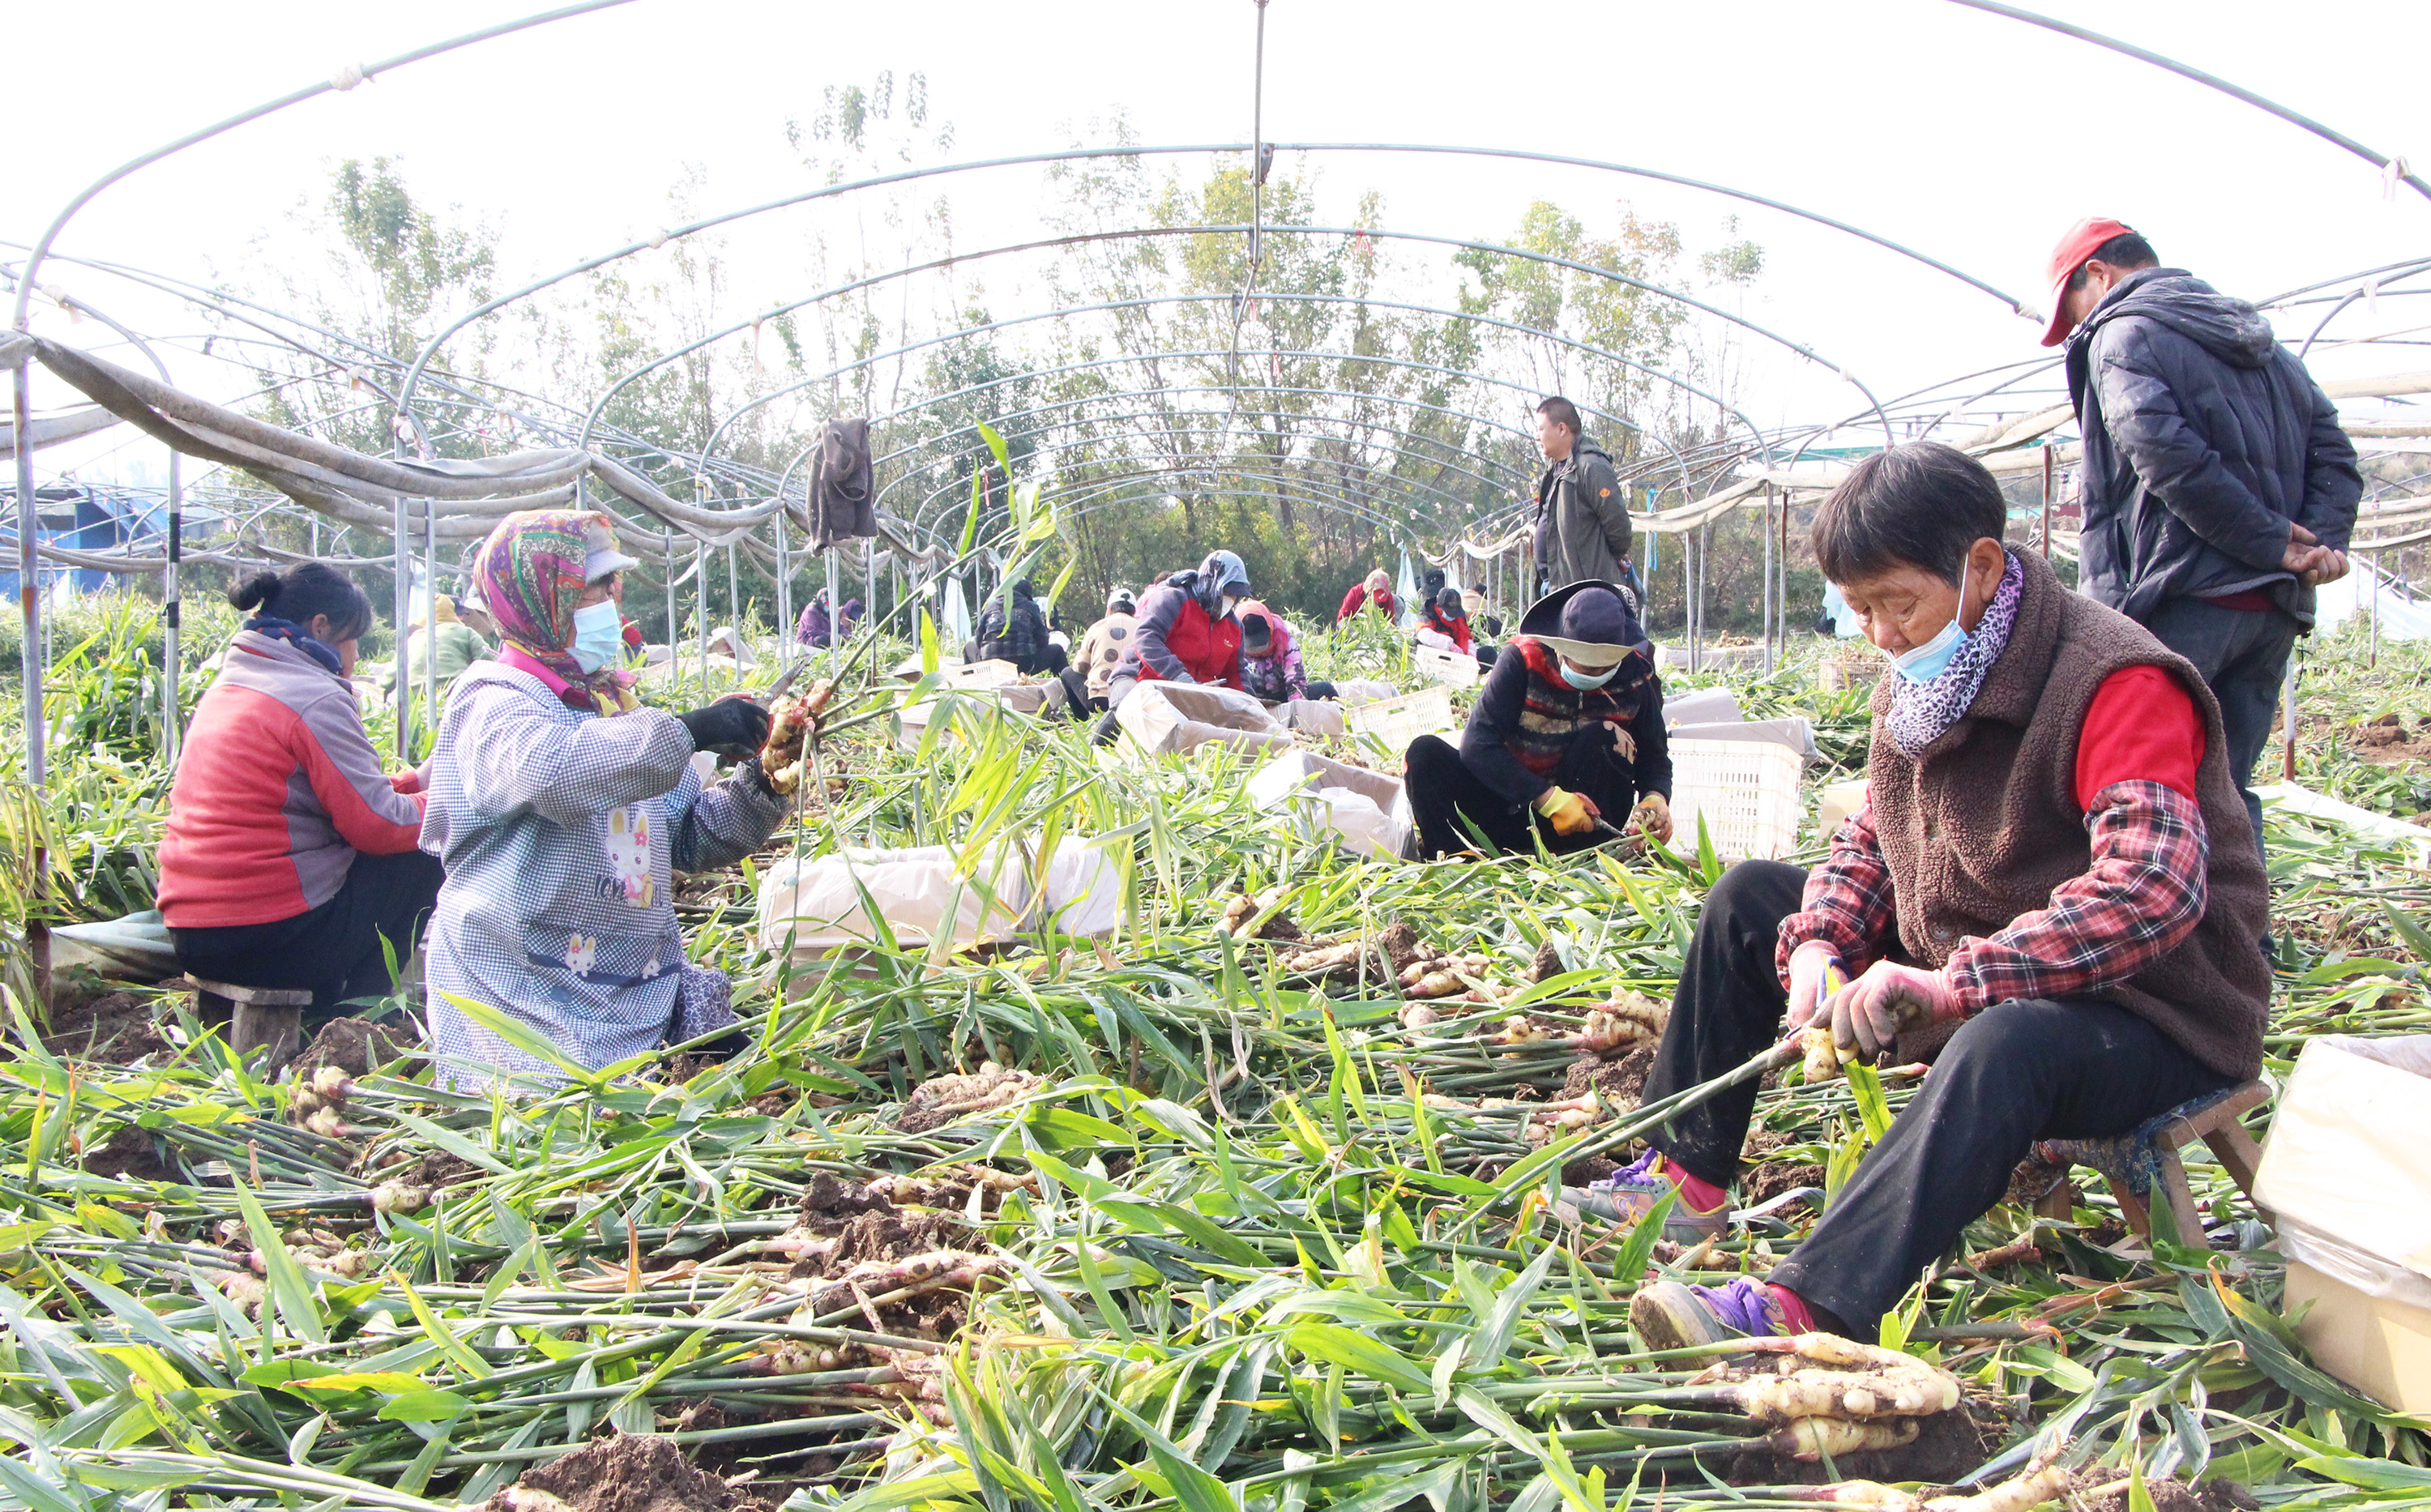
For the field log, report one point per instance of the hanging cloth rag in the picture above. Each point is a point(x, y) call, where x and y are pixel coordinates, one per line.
point(844, 505)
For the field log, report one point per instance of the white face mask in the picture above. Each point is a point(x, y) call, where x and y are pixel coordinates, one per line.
point(1229, 600)
point(598, 635)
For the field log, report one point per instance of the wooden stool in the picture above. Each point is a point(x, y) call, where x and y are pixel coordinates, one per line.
point(263, 1018)
point(2147, 1156)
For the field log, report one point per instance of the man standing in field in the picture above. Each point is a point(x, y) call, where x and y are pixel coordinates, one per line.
point(1582, 515)
point(2218, 488)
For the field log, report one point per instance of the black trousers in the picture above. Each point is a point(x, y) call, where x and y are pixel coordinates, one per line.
point(2242, 655)
point(1447, 799)
point(2020, 1071)
point(334, 952)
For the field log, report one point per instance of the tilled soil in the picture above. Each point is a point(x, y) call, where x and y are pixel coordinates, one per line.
point(1618, 1077)
point(131, 1153)
point(1948, 1444)
point(355, 1046)
point(2172, 1496)
point(630, 1473)
point(941, 1100)
point(116, 1027)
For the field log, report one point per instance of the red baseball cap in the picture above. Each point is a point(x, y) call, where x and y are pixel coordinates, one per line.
point(2083, 240)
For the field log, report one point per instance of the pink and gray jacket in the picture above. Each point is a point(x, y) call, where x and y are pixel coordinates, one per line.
point(277, 790)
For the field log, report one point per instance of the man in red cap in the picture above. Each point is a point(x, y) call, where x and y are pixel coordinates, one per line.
point(2218, 486)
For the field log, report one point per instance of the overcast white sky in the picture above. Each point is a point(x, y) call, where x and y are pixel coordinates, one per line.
point(1969, 137)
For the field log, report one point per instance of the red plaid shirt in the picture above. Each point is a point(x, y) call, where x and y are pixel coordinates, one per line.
point(2143, 894)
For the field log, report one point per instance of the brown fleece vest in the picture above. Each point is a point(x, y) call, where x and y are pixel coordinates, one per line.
point(1984, 823)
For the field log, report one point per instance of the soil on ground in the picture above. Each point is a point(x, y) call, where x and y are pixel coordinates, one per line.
point(1547, 964)
point(632, 1473)
point(355, 1046)
point(1948, 1444)
point(2387, 742)
point(116, 1027)
point(2172, 1496)
point(1400, 942)
point(942, 1099)
point(131, 1153)
point(1619, 1079)
point(1764, 1182)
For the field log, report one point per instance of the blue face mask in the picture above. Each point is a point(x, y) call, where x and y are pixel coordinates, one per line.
point(1922, 664)
point(598, 635)
point(1589, 681)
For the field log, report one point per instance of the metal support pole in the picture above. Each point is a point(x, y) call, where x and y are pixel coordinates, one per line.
point(2047, 501)
point(430, 618)
point(835, 607)
point(29, 591)
point(784, 592)
point(734, 611)
point(402, 569)
point(667, 580)
point(2288, 719)
point(1767, 529)
point(700, 606)
point(172, 614)
point(2375, 658)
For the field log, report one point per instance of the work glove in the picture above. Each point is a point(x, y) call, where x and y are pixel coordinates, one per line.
point(1814, 976)
point(733, 726)
point(1569, 813)
point(1871, 1013)
point(1652, 816)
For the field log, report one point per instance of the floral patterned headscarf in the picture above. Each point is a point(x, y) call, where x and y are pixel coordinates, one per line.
point(531, 575)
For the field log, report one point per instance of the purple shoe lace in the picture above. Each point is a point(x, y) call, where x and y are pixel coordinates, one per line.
point(1640, 1173)
point(1747, 1306)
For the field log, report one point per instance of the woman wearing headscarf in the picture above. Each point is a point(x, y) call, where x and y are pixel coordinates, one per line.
point(1567, 733)
point(1377, 590)
point(1270, 664)
point(289, 857)
point(561, 807)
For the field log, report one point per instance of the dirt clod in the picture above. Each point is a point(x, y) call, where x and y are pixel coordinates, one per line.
point(1618, 1077)
point(1400, 943)
point(941, 1100)
point(355, 1046)
point(830, 1201)
point(1948, 1445)
point(2168, 1496)
point(131, 1153)
point(1765, 1183)
point(632, 1473)
point(1547, 964)
point(116, 1027)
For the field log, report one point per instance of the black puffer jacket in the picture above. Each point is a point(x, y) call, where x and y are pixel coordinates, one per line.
point(2204, 438)
point(1019, 637)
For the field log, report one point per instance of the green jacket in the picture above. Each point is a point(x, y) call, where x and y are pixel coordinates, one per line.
point(460, 647)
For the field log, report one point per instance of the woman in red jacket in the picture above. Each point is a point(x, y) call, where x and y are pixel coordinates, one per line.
point(1186, 634)
point(290, 857)
point(1377, 590)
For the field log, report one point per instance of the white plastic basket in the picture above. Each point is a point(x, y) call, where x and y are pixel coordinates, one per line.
point(1454, 669)
point(1746, 792)
point(1399, 721)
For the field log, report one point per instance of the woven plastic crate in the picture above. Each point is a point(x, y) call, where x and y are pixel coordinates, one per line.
point(1454, 669)
point(1397, 721)
point(1746, 792)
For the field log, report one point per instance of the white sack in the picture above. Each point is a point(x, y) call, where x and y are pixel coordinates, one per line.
point(2344, 1171)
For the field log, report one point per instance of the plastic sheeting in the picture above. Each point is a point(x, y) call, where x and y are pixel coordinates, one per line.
point(2355, 597)
point(2343, 1171)
point(1368, 812)
point(927, 894)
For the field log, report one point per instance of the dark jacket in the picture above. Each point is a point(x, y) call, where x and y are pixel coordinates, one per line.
point(1985, 822)
point(1014, 631)
point(1526, 716)
point(2204, 438)
point(1183, 638)
point(1582, 530)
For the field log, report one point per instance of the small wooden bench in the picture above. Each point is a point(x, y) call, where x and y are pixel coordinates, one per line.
point(259, 1019)
point(2148, 1156)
